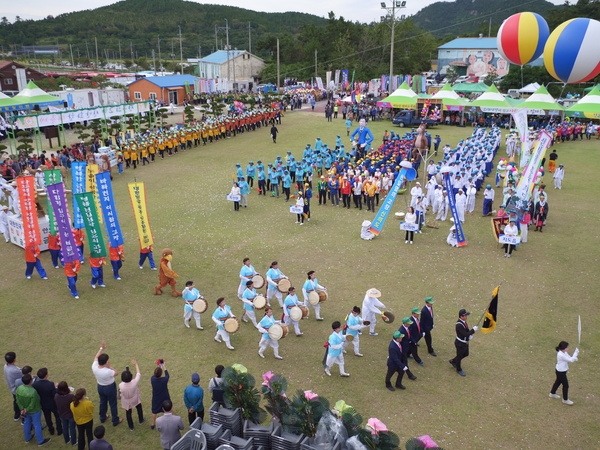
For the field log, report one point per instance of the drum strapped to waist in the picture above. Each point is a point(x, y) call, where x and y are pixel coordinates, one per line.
point(349, 337)
point(283, 285)
point(322, 296)
point(200, 305)
point(295, 313)
point(313, 298)
point(232, 325)
point(259, 302)
point(258, 281)
point(277, 331)
point(304, 310)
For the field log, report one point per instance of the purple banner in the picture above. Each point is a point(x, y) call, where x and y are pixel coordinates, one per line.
point(460, 235)
point(78, 170)
point(107, 202)
point(58, 200)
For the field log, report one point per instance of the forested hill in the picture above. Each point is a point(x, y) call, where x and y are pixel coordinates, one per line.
point(465, 17)
point(139, 23)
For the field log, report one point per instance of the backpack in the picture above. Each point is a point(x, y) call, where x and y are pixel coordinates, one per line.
point(218, 394)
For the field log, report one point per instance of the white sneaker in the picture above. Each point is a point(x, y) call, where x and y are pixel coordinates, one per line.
point(77, 297)
point(410, 242)
point(261, 355)
point(278, 357)
point(153, 268)
point(567, 402)
point(358, 354)
point(297, 222)
point(200, 328)
point(230, 348)
point(141, 268)
point(344, 374)
point(302, 224)
point(551, 395)
point(187, 325)
point(406, 242)
point(102, 285)
point(93, 286)
point(217, 339)
point(327, 372)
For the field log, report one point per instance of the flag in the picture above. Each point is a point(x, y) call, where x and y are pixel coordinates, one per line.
point(489, 323)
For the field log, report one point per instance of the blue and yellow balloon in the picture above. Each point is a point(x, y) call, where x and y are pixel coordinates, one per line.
point(572, 52)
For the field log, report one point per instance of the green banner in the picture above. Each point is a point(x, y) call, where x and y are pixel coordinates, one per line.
point(93, 229)
point(52, 177)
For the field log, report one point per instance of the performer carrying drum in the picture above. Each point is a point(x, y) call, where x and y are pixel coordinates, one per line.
point(246, 273)
point(190, 294)
point(273, 277)
point(221, 314)
point(370, 307)
point(248, 297)
point(312, 285)
point(290, 302)
point(263, 326)
point(354, 323)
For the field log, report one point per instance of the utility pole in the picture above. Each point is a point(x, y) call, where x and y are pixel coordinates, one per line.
point(97, 60)
point(227, 44)
point(154, 62)
point(216, 39)
point(72, 60)
point(120, 56)
point(131, 48)
point(249, 38)
point(87, 51)
point(277, 64)
point(159, 63)
point(180, 49)
point(315, 63)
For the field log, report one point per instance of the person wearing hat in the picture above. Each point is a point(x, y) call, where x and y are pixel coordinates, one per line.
point(354, 324)
point(250, 173)
point(510, 230)
point(558, 176)
point(427, 324)
point(488, 200)
point(335, 346)
point(370, 307)
point(463, 336)
point(4, 223)
point(552, 161)
point(244, 191)
point(396, 362)
point(262, 180)
point(415, 335)
point(406, 343)
point(415, 193)
point(193, 397)
point(540, 213)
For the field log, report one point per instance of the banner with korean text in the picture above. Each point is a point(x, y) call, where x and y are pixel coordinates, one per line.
point(91, 186)
point(62, 222)
point(93, 229)
point(460, 235)
point(52, 177)
point(137, 193)
point(107, 203)
point(527, 180)
point(77, 187)
point(31, 226)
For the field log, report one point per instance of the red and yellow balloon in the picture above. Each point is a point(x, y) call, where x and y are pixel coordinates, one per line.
point(521, 38)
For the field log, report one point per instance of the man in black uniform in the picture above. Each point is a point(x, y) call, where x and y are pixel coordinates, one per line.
point(427, 324)
point(463, 336)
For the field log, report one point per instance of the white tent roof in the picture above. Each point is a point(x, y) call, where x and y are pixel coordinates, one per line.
point(446, 93)
point(3, 95)
point(530, 88)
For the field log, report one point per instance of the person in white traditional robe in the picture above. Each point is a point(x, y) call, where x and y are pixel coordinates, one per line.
point(370, 307)
point(471, 193)
point(558, 176)
point(415, 193)
point(443, 207)
point(461, 204)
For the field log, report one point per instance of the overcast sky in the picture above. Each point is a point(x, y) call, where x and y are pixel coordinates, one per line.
point(354, 10)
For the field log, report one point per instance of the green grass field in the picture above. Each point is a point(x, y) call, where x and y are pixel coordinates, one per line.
point(501, 403)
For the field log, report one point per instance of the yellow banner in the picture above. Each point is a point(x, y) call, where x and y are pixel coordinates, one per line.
point(90, 186)
point(137, 193)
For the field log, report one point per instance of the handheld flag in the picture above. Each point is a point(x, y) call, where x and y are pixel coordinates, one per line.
point(579, 330)
point(489, 323)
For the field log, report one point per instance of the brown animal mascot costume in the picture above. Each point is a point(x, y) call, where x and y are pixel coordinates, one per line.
point(166, 275)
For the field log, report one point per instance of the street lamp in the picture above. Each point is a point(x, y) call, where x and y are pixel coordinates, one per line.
point(395, 5)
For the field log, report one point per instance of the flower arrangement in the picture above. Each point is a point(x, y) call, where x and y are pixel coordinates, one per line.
point(240, 392)
point(306, 409)
point(273, 390)
point(376, 436)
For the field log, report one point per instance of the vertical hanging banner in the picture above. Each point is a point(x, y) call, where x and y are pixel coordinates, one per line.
point(58, 199)
point(520, 118)
point(31, 226)
point(107, 203)
point(77, 187)
point(407, 172)
point(137, 193)
point(527, 180)
point(93, 230)
point(460, 235)
point(91, 186)
point(52, 177)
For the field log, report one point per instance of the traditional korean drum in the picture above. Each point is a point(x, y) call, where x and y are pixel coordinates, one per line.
point(323, 296)
point(259, 302)
point(277, 331)
point(295, 313)
point(313, 298)
point(258, 281)
point(283, 285)
point(232, 325)
point(200, 305)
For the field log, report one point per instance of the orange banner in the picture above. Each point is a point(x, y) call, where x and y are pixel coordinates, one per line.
point(31, 226)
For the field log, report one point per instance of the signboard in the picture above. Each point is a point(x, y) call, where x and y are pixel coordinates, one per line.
point(17, 234)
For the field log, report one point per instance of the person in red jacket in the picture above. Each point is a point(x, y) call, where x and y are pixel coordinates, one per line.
point(32, 253)
point(54, 247)
point(78, 234)
point(71, 269)
point(117, 255)
point(97, 272)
